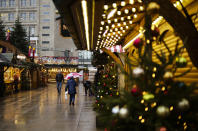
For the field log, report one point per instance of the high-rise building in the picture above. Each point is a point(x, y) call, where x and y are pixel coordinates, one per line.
point(38, 17)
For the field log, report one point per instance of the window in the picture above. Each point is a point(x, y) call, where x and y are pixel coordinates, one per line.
point(46, 5)
point(45, 34)
point(2, 3)
point(32, 2)
point(23, 3)
point(32, 30)
point(32, 16)
point(4, 16)
point(45, 49)
point(11, 16)
point(23, 16)
point(11, 3)
point(45, 42)
point(46, 20)
point(46, 13)
point(46, 27)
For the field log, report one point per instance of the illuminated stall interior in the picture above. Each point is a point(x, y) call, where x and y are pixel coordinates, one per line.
point(52, 71)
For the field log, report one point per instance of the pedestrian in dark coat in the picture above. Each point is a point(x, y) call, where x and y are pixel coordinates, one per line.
point(16, 82)
point(59, 81)
point(71, 87)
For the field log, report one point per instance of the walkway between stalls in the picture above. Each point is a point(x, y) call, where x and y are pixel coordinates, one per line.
point(44, 110)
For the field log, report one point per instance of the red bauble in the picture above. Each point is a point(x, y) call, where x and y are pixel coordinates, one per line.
point(135, 91)
point(155, 32)
point(106, 76)
point(104, 84)
point(165, 92)
point(137, 43)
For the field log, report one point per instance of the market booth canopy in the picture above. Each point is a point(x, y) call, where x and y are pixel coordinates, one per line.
point(95, 24)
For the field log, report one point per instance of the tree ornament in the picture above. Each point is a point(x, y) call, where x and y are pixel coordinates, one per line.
point(168, 75)
point(115, 109)
point(135, 91)
point(155, 32)
point(123, 112)
point(138, 42)
point(148, 96)
point(181, 62)
point(106, 76)
point(104, 84)
point(162, 111)
point(161, 128)
point(98, 83)
point(183, 104)
point(137, 72)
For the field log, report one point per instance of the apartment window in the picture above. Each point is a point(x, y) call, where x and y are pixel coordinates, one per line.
point(46, 5)
point(11, 3)
point(23, 16)
point(23, 3)
point(46, 27)
point(32, 2)
point(46, 13)
point(32, 16)
point(4, 16)
point(46, 20)
point(2, 3)
point(11, 16)
point(45, 42)
point(32, 30)
point(45, 34)
point(45, 49)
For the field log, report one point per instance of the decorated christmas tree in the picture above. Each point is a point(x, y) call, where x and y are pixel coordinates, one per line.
point(106, 84)
point(155, 99)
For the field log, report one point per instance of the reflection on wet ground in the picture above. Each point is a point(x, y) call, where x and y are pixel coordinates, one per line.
point(44, 110)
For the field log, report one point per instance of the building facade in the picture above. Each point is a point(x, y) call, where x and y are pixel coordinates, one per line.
point(38, 19)
point(45, 31)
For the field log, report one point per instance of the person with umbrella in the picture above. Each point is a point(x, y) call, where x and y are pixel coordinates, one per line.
point(71, 87)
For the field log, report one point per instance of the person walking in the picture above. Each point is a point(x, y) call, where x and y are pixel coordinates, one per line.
point(71, 87)
point(87, 86)
point(16, 82)
point(59, 80)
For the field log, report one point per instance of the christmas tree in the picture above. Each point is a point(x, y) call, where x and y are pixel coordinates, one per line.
point(19, 38)
point(155, 100)
point(106, 83)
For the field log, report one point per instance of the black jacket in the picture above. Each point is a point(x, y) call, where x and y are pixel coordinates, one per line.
point(59, 77)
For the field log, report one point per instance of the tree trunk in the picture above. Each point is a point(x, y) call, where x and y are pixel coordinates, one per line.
point(182, 25)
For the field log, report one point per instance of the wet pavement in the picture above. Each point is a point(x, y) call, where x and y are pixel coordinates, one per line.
point(44, 110)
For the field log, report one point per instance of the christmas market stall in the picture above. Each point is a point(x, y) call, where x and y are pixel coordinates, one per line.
point(16, 72)
point(55, 64)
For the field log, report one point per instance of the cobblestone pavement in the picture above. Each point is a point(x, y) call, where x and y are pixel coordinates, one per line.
point(44, 110)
